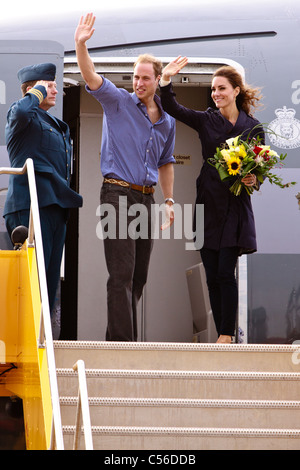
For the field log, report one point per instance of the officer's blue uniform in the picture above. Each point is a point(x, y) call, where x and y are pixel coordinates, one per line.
point(33, 133)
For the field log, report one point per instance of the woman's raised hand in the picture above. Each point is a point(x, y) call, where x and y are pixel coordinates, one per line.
point(174, 67)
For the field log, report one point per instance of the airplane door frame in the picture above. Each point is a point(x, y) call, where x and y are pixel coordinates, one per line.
point(119, 70)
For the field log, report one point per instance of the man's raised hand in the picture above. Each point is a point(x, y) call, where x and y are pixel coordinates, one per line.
point(85, 28)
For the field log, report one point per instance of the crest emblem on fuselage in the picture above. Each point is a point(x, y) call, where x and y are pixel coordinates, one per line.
point(285, 129)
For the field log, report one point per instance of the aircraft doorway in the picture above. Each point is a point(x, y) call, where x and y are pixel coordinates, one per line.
point(165, 312)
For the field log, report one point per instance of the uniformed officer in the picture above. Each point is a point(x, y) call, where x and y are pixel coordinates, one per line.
point(31, 132)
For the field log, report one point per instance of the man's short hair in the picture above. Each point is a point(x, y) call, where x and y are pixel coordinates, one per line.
point(150, 59)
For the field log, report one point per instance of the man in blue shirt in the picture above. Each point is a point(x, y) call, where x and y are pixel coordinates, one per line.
point(137, 150)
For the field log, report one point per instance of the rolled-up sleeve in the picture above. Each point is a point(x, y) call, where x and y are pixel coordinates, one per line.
point(167, 154)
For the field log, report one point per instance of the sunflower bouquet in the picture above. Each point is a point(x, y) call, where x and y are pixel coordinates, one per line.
point(239, 158)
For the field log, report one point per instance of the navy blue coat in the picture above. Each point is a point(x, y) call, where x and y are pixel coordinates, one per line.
point(228, 219)
point(33, 133)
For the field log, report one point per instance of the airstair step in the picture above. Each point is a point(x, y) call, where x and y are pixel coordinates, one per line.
point(186, 412)
point(187, 438)
point(183, 384)
point(184, 356)
point(170, 396)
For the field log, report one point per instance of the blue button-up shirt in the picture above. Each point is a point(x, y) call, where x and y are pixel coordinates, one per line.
point(133, 148)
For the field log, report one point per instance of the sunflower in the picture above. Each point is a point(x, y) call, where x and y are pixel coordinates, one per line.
point(234, 165)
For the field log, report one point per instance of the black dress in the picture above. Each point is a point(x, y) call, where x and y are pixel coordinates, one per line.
point(228, 219)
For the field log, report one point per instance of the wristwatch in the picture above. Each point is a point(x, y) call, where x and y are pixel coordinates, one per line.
point(169, 199)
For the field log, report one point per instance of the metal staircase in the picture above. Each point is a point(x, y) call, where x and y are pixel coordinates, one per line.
point(171, 396)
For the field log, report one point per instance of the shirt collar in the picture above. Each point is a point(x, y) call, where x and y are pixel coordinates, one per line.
point(156, 99)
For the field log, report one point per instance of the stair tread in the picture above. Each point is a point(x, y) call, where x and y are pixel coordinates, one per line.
point(179, 356)
point(60, 344)
point(160, 373)
point(228, 403)
point(262, 432)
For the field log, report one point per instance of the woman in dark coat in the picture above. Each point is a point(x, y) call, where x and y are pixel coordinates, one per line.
point(229, 228)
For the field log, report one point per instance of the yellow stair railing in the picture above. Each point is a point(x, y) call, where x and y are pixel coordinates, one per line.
point(26, 341)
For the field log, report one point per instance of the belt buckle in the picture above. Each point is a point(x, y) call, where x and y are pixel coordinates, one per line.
point(145, 190)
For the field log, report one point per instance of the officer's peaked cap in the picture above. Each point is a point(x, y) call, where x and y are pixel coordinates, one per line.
point(30, 73)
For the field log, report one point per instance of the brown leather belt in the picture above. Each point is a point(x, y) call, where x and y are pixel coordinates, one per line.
point(124, 184)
